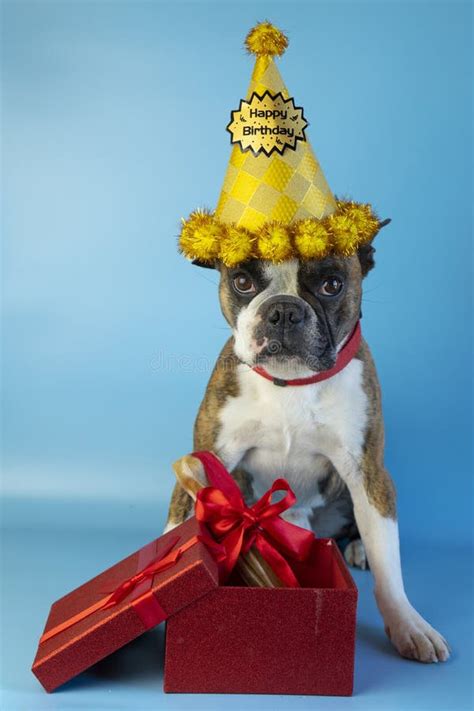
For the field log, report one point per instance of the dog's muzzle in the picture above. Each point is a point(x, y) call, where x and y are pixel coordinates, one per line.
point(289, 327)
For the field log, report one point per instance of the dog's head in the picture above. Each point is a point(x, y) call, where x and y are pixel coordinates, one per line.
point(293, 317)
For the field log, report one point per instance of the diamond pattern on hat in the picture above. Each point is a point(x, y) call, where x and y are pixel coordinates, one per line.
point(295, 157)
point(301, 214)
point(315, 202)
point(244, 187)
point(278, 174)
point(308, 167)
point(252, 219)
point(297, 187)
point(264, 199)
point(230, 210)
point(255, 165)
point(284, 210)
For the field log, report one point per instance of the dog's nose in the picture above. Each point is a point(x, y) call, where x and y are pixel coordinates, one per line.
point(285, 313)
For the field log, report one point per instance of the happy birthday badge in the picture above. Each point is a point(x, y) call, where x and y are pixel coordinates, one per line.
point(266, 124)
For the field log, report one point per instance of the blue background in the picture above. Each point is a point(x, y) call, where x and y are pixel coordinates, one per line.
point(113, 120)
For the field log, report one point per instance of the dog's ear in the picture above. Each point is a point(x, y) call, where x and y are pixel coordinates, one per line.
point(366, 252)
point(205, 265)
point(366, 258)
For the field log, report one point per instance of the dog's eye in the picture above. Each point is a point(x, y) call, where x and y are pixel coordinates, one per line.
point(243, 284)
point(331, 286)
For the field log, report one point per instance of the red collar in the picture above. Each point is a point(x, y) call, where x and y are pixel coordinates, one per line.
point(344, 357)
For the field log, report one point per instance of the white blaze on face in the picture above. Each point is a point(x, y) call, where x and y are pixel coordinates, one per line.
point(283, 280)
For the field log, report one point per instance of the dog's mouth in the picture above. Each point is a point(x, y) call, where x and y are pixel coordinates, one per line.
point(317, 358)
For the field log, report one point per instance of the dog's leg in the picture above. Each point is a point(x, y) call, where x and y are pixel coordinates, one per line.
point(409, 632)
point(374, 507)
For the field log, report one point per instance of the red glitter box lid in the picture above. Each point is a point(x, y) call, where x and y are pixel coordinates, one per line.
point(70, 645)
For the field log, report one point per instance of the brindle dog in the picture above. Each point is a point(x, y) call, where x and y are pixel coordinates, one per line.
point(326, 438)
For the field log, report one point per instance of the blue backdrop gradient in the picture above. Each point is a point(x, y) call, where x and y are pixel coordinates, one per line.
point(113, 128)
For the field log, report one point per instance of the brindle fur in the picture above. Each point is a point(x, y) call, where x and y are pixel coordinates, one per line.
point(378, 483)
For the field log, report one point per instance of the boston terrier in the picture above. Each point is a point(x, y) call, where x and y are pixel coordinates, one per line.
point(295, 394)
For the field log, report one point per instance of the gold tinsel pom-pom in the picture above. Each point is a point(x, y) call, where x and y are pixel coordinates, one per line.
point(312, 239)
point(344, 234)
point(362, 217)
point(236, 246)
point(200, 236)
point(274, 242)
point(266, 40)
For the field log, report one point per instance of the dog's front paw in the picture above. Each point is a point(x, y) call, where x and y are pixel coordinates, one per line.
point(354, 553)
point(414, 638)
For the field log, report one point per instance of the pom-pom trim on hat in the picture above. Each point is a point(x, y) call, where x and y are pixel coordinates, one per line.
point(202, 234)
point(206, 239)
point(266, 40)
point(274, 242)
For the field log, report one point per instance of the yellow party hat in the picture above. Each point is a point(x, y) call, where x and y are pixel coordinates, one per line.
point(275, 202)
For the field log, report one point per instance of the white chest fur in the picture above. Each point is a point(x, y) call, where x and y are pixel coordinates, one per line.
point(288, 431)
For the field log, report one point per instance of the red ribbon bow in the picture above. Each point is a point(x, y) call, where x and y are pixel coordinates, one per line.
point(238, 527)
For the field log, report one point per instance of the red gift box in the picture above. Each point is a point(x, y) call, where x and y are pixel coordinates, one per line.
point(224, 638)
point(269, 640)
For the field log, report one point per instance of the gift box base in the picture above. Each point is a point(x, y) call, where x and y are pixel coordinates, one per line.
point(269, 641)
